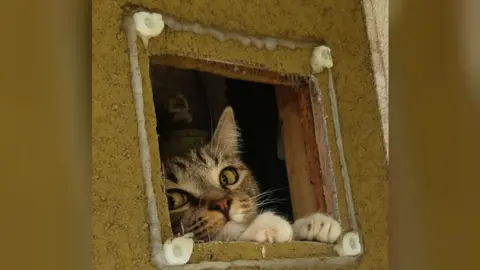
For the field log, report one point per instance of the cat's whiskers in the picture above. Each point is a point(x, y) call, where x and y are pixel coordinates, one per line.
point(270, 200)
point(263, 201)
point(194, 227)
point(203, 233)
point(182, 228)
point(266, 194)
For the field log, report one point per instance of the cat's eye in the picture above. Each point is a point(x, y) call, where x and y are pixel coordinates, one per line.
point(176, 199)
point(228, 176)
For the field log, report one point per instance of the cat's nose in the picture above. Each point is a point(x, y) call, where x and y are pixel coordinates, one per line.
point(222, 205)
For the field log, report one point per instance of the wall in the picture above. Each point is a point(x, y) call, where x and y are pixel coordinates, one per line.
point(119, 226)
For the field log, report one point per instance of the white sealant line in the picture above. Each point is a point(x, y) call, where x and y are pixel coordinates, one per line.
point(321, 58)
point(176, 251)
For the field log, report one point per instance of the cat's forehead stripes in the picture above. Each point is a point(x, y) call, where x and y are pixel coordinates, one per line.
point(190, 172)
point(200, 157)
point(180, 163)
point(175, 168)
point(193, 189)
point(171, 176)
point(203, 156)
point(199, 170)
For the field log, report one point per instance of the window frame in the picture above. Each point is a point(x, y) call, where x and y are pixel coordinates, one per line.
point(293, 95)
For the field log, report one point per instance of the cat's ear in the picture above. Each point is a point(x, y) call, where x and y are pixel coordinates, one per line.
point(226, 136)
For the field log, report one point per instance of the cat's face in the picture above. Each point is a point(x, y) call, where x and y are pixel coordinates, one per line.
point(210, 191)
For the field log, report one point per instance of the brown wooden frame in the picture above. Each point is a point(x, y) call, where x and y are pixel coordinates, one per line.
point(301, 152)
point(304, 141)
point(311, 179)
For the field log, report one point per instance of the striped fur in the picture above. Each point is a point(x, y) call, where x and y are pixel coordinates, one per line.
point(197, 174)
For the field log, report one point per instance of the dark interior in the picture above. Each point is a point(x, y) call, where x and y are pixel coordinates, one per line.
point(256, 114)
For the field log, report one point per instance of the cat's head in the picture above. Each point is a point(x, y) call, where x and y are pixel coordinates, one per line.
point(210, 191)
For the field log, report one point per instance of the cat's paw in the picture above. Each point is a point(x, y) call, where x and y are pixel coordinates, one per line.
point(317, 227)
point(268, 227)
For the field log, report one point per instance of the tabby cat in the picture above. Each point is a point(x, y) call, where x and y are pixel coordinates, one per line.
point(213, 194)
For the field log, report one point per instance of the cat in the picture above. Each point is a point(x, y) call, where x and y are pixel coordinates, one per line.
point(213, 194)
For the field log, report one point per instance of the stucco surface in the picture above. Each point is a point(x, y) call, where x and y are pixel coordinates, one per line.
point(120, 236)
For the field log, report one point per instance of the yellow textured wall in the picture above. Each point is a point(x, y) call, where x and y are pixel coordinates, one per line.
point(120, 237)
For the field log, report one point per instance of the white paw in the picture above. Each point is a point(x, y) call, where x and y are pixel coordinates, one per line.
point(317, 227)
point(268, 227)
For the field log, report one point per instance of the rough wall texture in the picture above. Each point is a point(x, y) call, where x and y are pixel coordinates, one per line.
point(120, 239)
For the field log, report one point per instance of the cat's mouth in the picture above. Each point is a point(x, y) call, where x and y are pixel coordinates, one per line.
point(235, 217)
point(231, 214)
point(230, 231)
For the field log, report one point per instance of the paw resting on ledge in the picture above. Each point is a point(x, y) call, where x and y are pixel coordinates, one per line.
point(268, 227)
point(271, 228)
point(317, 227)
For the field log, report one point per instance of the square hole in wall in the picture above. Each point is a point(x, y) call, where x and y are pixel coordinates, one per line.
point(281, 143)
point(188, 105)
